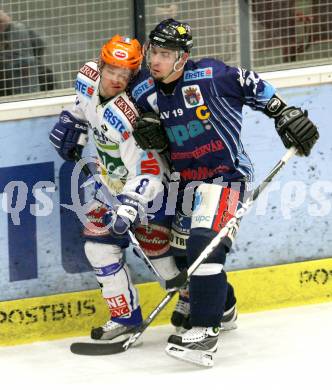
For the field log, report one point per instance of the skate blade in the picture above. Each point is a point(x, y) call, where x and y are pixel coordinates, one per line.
point(200, 358)
point(225, 327)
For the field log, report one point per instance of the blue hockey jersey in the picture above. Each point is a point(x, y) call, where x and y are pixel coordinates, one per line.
point(203, 117)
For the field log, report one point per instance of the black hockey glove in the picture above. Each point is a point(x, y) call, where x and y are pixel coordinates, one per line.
point(149, 133)
point(296, 129)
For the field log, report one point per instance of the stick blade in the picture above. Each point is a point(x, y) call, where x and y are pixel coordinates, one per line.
point(98, 349)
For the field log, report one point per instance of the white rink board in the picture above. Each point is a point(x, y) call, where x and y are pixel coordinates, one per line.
point(307, 76)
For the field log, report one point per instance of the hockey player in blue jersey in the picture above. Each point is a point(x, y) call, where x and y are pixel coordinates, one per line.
point(200, 105)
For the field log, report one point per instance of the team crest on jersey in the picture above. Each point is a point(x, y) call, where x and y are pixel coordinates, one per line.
point(192, 96)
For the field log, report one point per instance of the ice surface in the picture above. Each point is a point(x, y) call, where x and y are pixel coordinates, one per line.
point(280, 349)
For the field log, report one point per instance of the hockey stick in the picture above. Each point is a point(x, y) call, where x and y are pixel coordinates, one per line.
point(213, 244)
point(121, 346)
point(170, 284)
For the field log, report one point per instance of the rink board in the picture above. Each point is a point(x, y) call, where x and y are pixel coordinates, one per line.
point(73, 314)
point(279, 228)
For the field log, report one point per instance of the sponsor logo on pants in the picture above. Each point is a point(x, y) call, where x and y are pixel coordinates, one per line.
point(118, 305)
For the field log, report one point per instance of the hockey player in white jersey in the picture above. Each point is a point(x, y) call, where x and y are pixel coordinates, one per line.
point(104, 108)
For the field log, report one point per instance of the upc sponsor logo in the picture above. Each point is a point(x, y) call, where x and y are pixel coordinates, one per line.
point(198, 74)
point(202, 218)
point(142, 88)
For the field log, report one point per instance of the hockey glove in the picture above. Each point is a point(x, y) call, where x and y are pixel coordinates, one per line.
point(68, 135)
point(125, 217)
point(149, 133)
point(296, 129)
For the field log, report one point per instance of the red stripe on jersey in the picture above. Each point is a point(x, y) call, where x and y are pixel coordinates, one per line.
point(233, 202)
point(221, 208)
point(227, 208)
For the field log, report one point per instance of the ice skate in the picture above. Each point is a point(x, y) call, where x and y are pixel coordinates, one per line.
point(228, 320)
point(198, 345)
point(180, 315)
point(119, 326)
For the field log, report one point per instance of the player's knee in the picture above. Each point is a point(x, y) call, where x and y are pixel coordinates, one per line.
point(105, 259)
point(181, 261)
point(166, 267)
point(199, 239)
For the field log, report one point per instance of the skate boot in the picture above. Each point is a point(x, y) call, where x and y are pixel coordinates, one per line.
point(119, 326)
point(180, 315)
point(228, 320)
point(198, 345)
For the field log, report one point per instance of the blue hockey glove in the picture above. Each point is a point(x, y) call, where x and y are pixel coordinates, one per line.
point(69, 134)
point(125, 217)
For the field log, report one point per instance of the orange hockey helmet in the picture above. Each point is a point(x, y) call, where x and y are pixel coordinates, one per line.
point(122, 52)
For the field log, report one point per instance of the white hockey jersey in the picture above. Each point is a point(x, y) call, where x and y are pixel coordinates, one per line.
point(125, 167)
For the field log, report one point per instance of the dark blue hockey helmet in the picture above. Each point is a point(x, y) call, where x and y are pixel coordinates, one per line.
point(171, 34)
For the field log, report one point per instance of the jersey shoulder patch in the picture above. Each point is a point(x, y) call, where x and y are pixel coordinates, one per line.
point(90, 70)
point(126, 108)
point(120, 115)
point(87, 80)
point(204, 69)
point(142, 88)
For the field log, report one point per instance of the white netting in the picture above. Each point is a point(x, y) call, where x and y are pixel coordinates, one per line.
point(46, 41)
point(290, 33)
point(214, 23)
